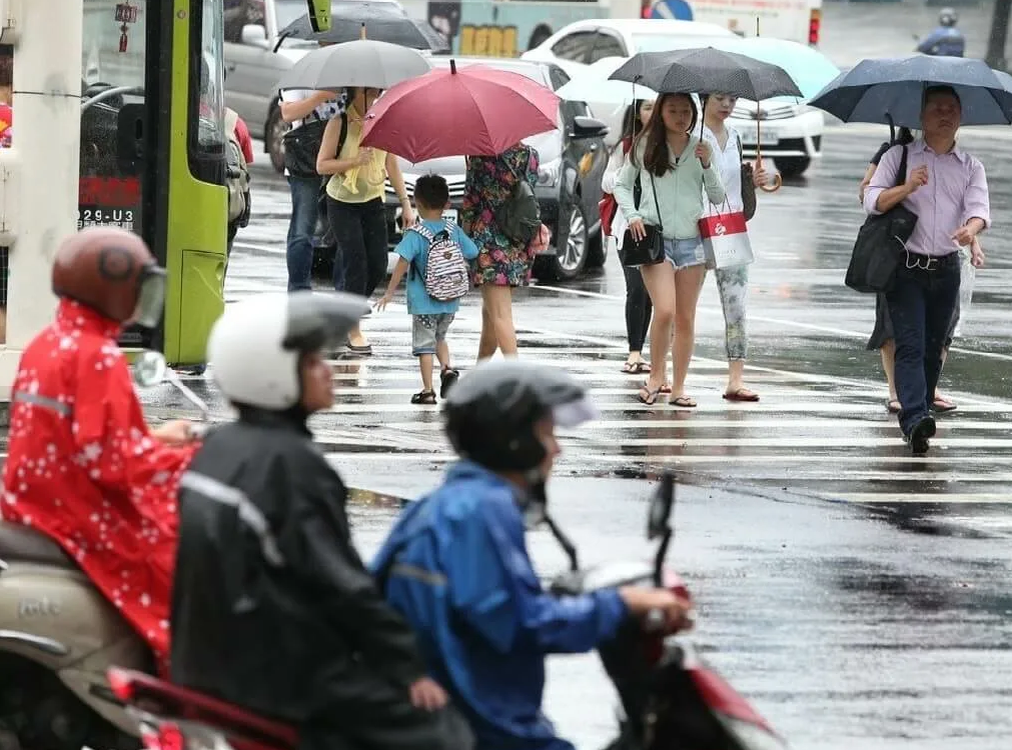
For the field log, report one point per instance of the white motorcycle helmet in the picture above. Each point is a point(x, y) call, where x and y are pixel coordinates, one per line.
point(255, 347)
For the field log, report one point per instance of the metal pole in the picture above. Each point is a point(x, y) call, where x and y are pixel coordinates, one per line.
point(999, 35)
point(38, 200)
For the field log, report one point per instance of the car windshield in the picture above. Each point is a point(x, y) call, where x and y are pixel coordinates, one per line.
point(289, 11)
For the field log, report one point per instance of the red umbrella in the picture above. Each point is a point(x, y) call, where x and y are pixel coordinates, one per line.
point(475, 111)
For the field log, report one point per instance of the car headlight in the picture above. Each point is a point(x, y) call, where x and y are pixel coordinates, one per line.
point(548, 173)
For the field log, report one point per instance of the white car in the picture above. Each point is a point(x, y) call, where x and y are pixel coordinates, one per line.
point(790, 133)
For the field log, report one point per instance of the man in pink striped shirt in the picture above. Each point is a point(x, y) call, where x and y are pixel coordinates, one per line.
point(947, 189)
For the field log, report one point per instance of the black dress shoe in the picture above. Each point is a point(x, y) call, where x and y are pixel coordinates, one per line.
point(920, 434)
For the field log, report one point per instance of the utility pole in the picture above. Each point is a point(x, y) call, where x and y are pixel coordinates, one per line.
point(999, 34)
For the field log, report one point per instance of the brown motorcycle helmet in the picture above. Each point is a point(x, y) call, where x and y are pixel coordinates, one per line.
point(113, 272)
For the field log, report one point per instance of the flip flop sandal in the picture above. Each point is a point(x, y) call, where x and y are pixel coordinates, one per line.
point(942, 405)
point(683, 402)
point(651, 398)
point(893, 406)
point(447, 379)
point(636, 368)
point(364, 349)
point(427, 398)
point(742, 394)
point(665, 389)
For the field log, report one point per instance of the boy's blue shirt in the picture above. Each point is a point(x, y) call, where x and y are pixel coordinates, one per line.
point(415, 247)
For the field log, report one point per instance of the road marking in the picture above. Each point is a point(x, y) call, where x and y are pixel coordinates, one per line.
point(809, 431)
point(956, 498)
point(714, 310)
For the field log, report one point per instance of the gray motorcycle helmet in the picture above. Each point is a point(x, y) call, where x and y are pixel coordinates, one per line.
point(491, 413)
point(255, 347)
point(948, 17)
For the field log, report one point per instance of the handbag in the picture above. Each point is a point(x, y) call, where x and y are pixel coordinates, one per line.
point(607, 207)
point(747, 186)
point(302, 145)
point(880, 242)
point(648, 251)
point(725, 240)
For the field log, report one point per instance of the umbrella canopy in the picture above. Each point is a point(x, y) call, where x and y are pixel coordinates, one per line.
point(384, 22)
point(808, 68)
point(891, 90)
point(593, 85)
point(437, 42)
point(474, 111)
point(364, 62)
point(687, 71)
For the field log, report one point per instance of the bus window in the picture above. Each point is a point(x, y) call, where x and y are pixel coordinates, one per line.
point(207, 129)
point(112, 82)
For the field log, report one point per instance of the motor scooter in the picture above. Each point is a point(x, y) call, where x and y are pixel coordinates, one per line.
point(59, 635)
point(671, 699)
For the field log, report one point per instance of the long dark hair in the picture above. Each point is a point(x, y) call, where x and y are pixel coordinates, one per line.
point(655, 153)
point(631, 122)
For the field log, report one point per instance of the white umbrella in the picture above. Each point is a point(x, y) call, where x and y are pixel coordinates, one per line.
point(593, 85)
point(364, 62)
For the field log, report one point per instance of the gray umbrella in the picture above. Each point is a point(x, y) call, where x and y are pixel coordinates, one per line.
point(364, 62)
point(707, 70)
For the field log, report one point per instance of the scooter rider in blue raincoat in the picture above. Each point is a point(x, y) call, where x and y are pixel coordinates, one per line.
point(946, 39)
point(456, 563)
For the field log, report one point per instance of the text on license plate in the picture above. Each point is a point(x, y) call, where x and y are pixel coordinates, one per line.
point(765, 138)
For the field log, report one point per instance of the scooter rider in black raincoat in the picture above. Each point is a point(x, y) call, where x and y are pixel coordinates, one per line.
point(272, 607)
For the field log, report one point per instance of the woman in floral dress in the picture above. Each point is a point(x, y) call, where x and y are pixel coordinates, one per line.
point(502, 264)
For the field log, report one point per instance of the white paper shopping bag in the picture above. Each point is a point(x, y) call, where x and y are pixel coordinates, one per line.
point(725, 240)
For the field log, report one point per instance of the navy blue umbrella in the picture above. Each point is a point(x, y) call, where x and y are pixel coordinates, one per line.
point(890, 91)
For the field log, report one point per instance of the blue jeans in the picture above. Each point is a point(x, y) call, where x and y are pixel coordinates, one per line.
point(301, 227)
point(921, 304)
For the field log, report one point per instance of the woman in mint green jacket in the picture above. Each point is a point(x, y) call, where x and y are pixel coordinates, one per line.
point(678, 166)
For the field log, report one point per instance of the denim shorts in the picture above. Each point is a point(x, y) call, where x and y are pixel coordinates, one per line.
point(427, 331)
point(684, 253)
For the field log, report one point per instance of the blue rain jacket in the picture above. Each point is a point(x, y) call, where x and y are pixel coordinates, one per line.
point(944, 40)
point(457, 568)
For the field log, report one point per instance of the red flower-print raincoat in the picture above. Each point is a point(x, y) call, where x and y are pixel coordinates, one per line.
point(83, 469)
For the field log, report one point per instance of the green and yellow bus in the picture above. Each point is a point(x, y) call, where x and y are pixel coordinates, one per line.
point(153, 149)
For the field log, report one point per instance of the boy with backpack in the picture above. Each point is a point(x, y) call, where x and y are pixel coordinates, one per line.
point(434, 253)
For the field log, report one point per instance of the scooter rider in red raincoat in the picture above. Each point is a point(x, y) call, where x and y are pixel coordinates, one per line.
point(83, 467)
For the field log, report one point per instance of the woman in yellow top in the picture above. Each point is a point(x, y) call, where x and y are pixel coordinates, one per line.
point(355, 205)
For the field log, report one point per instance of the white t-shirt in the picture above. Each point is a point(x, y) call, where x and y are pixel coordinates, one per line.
point(728, 161)
point(325, 111)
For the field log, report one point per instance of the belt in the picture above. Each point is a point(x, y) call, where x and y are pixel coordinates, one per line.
point(923, 262)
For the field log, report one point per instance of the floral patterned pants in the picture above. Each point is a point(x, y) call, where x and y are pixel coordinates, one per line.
point(732, 285)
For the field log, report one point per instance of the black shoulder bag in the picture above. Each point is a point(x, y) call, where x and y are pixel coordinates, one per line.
point(324, 235)
point(648, 251)
point(880, 242)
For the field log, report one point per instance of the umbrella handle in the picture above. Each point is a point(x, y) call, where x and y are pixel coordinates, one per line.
point(777, 180)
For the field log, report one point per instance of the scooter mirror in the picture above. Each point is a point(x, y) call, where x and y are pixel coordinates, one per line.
point(660, 507)
point(150, 369)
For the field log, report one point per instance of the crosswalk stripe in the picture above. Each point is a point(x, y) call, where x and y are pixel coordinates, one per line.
point(820, 435)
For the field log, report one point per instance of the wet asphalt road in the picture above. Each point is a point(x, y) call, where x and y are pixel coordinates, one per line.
point(857, 595)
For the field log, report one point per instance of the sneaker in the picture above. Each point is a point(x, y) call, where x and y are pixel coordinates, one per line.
point(447, 379)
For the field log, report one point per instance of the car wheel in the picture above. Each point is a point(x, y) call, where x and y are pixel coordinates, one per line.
point(792, 166)
point(571, 257)
point(274, 133)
